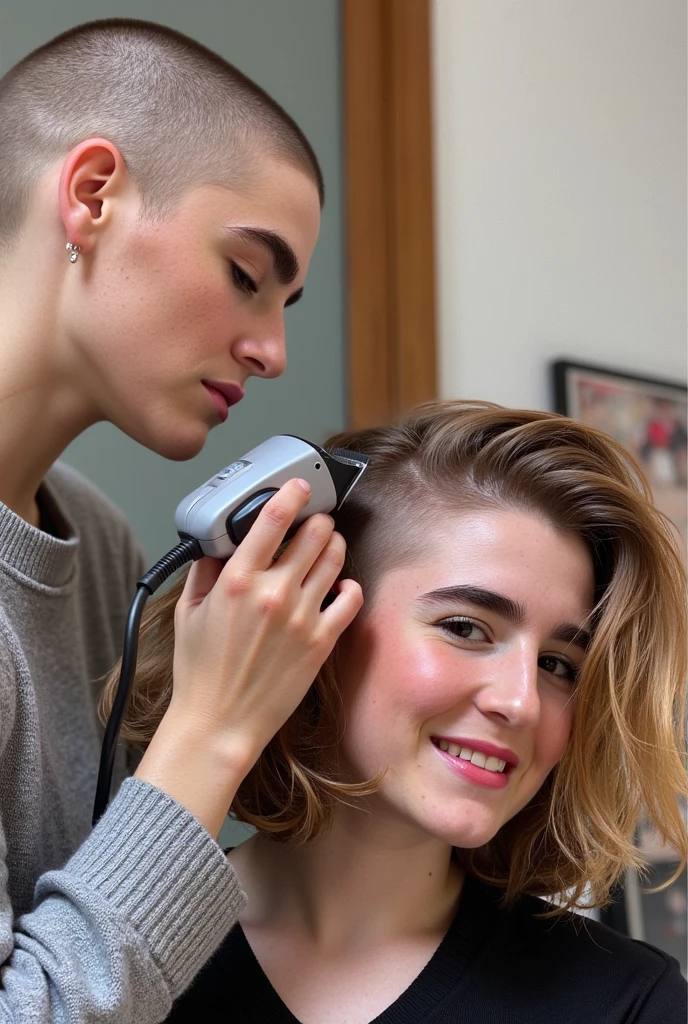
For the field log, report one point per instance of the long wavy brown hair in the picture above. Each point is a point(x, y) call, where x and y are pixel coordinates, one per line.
point(626, 752)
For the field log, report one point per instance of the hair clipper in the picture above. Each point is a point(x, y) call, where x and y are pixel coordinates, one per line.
point(220, 512)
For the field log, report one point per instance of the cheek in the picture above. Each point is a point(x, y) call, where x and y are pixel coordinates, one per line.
point(553, 732)
point(188, 295)
point(402, 688)
point(434, 679)
point(172, 287)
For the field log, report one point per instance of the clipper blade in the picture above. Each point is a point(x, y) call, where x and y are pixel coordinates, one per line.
point(346, 453)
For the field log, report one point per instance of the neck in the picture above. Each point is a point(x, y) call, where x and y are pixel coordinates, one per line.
point(369, 879)
point(41, 410)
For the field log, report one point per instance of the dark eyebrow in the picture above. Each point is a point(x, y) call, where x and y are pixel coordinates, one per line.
point(283, 256)
point(503, 606)
point(573, 635)
point(508, 609)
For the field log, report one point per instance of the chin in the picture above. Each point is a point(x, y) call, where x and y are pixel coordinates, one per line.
point(467, 836)
point(178, 446)
point(180, 450)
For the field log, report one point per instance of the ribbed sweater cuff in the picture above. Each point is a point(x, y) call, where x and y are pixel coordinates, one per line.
point(162, 871)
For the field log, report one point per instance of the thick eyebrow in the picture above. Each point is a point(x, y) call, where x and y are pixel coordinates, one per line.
point(573, 635)
point(508, 609)
point(284, 258)
point(503, 606)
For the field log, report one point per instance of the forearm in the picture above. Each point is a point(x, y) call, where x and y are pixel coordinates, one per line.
point(119, 933)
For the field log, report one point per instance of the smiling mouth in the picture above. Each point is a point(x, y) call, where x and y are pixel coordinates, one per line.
point(476, 757)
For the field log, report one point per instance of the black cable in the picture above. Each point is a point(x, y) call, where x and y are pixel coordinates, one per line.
point(187, 551)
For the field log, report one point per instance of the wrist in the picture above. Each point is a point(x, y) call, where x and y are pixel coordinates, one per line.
point(199, 768)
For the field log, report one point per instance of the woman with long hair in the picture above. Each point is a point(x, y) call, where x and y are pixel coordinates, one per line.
point(470, 764)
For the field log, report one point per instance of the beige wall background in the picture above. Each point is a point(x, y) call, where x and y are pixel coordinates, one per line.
point(560, 156)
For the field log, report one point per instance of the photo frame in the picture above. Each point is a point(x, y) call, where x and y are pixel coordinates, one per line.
point(649, 417)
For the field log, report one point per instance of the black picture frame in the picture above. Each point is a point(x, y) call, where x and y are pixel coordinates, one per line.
point(563, 368)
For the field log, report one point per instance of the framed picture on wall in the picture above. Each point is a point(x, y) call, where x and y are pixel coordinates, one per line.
point(649, 417)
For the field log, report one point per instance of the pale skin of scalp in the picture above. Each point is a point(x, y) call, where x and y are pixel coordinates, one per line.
point(343, 925)
point(127, 334)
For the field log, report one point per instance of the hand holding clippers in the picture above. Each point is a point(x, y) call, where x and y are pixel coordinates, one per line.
point(213, 520)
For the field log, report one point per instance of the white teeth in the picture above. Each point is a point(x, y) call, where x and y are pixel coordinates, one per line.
point(491, 764)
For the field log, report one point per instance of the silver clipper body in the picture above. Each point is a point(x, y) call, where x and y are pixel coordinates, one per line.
point(220, 512)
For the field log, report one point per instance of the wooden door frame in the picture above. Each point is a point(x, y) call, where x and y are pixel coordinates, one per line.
point(391, 341)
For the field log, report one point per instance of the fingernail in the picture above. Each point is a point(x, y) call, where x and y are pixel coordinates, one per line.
point(306, 486)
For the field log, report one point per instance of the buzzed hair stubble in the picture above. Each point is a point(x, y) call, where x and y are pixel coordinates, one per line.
point(179, 114)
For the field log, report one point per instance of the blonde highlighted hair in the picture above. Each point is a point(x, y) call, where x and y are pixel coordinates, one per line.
point(625, 755)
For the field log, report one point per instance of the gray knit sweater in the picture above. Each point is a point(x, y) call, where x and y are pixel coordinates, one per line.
point(109, 926)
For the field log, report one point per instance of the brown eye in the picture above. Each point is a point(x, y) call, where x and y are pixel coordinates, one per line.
point(464, 629)
point(241, 279)
point(559, 667)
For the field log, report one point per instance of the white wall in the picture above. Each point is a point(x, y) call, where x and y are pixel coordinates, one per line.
point(561, 190)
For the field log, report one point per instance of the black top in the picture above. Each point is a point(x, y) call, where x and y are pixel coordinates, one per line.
point(494, 966)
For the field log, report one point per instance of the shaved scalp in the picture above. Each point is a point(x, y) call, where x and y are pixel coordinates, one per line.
point(179, 114)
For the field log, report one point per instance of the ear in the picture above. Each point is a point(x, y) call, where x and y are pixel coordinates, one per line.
point(93, 176)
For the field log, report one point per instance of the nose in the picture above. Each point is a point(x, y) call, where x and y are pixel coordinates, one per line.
point(509, 691)
point(263, 352)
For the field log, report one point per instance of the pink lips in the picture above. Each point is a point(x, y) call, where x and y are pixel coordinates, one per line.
point(486, 748)
point(473, 772)
point(223, 396)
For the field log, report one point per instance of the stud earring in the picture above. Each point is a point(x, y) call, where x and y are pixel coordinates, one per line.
point(73, 251)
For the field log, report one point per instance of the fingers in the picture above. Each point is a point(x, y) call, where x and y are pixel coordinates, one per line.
point(202, 577)
point(307, 569)
point(321, 574)
point(339, 615)
point(257, 550)
point(312, 540)
point(343, 598)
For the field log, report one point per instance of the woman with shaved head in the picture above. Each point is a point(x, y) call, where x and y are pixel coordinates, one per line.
point(158, 211)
